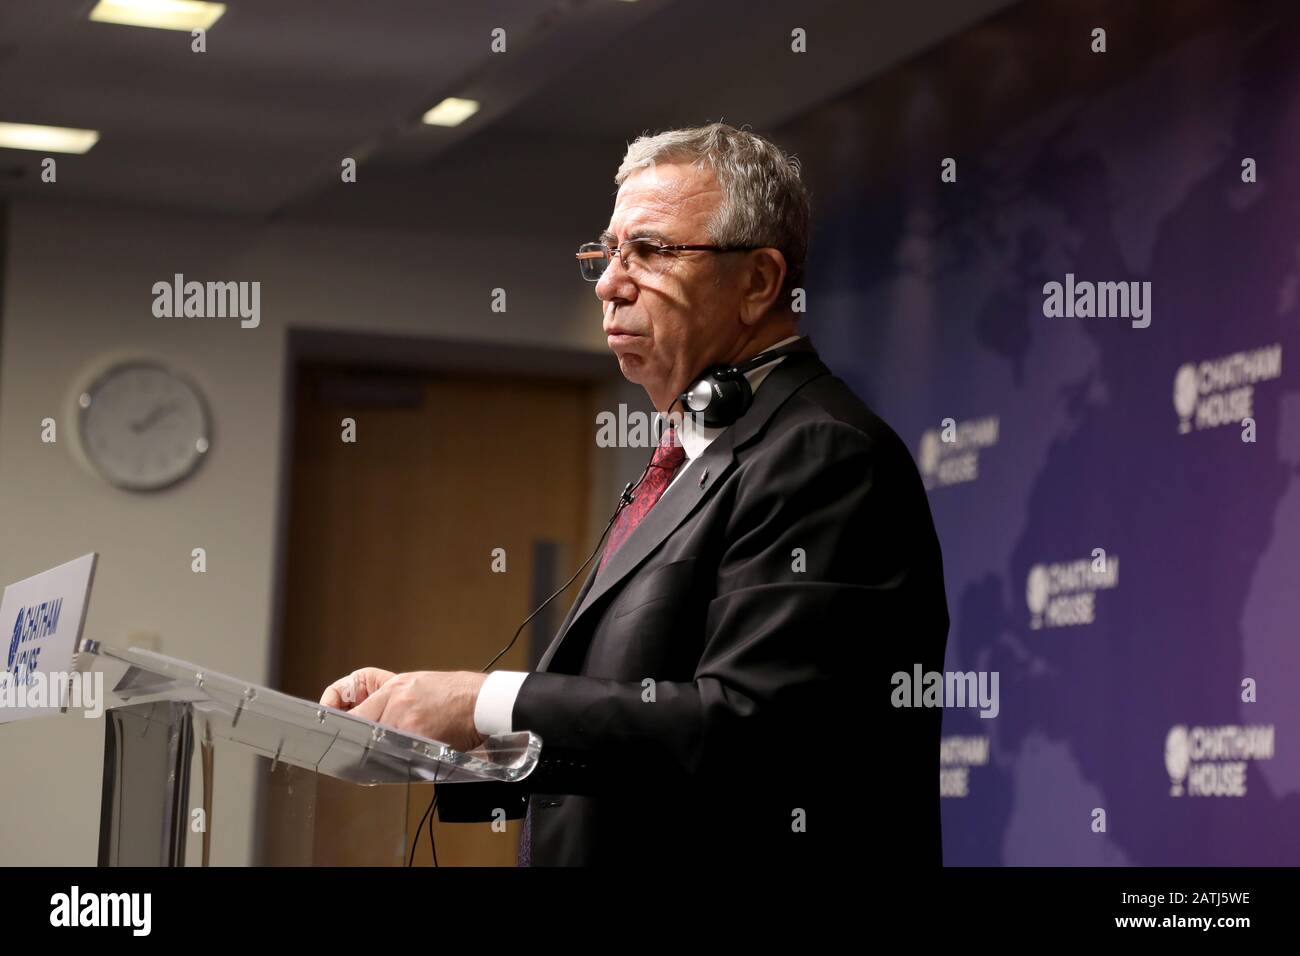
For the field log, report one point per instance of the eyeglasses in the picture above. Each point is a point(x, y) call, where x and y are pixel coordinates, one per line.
point(640, 256)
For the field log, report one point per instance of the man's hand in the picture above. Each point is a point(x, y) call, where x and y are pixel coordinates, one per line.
point(346, 692)
point(434, 704)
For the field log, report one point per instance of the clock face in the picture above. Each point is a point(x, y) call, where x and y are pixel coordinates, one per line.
point(143, 426)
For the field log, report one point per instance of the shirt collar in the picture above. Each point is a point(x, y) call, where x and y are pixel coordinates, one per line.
point(697, 437)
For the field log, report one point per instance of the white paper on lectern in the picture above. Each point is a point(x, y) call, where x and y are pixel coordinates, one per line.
point(30, 636)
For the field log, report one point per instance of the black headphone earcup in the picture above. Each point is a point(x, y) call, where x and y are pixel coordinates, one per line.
point(731, 398)
point(722, 393)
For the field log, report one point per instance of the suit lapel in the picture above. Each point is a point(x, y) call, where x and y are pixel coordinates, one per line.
point(686, 494)
point(661, 521)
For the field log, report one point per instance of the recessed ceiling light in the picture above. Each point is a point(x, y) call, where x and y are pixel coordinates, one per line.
point(160, 14)
point(47, 139)
point(451, 112)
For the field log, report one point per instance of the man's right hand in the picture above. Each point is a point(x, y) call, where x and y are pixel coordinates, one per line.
point(346, 692)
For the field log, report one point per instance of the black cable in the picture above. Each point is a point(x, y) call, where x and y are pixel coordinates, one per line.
point(410, 860)
point(432, 849)
point(623, 501)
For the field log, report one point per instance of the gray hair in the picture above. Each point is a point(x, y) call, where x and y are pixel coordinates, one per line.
point(764, 200)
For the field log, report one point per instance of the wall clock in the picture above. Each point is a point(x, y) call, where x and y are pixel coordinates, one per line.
point(143, 426)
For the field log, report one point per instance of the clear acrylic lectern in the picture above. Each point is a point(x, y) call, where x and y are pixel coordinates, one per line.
point(277, 749)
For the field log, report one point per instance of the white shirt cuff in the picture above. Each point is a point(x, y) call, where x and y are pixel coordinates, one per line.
point(494, 710)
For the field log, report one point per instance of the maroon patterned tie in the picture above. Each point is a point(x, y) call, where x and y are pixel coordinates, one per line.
point(668, 457)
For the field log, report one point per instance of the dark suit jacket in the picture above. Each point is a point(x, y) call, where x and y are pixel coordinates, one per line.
point(720, 692)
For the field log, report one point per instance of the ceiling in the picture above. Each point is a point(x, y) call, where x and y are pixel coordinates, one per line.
point(258, 124)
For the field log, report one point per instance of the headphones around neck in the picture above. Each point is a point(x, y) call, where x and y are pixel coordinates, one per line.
point(721, 393)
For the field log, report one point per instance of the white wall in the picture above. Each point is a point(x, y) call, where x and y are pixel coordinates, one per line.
point(77, 290)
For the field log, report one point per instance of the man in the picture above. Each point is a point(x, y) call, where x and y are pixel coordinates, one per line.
point(720, 690)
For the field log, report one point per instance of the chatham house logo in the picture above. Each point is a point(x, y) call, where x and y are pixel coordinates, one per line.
point(1221, 391)
point(32, 625)
point(1064, 594)
point(14, 642)
point(957, 755)
point(949, 455)
point(1212, 761)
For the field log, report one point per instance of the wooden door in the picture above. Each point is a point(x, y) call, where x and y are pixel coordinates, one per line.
point(390, 554)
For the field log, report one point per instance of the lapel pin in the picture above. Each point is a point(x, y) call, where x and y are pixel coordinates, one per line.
point(704, 477)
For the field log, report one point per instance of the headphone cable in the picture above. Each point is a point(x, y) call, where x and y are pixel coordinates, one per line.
point(623, 501)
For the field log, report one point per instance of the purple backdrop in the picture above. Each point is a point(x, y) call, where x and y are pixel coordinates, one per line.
point(1121, 689)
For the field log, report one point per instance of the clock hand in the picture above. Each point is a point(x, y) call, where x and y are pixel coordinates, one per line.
point(153, 417)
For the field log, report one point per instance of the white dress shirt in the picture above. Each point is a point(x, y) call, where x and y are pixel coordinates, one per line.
point(494, 710)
